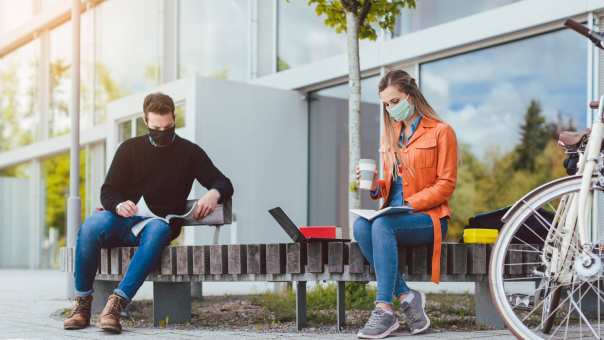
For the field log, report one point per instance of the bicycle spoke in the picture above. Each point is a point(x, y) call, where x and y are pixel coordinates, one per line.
point(537, 288)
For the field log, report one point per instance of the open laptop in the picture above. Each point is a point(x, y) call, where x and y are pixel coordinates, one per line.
point(292, 230)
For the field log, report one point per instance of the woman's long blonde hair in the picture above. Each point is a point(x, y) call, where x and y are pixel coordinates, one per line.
point(406, 84)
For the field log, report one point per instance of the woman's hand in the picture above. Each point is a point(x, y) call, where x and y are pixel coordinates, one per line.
point(373, 182)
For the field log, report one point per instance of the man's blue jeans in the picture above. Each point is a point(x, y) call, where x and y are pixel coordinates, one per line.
point(105, 229)
point(378, 241)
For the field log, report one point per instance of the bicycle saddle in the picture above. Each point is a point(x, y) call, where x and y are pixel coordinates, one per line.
point(572, 138)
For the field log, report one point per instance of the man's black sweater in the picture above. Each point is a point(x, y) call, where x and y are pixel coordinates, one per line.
point(164, 175)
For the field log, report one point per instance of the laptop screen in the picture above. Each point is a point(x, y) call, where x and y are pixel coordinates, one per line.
point(287, 224)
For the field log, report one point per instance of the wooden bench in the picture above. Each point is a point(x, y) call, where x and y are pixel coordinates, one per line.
point(292, 262)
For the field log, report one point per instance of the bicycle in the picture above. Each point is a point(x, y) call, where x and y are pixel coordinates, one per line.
point(546, 268)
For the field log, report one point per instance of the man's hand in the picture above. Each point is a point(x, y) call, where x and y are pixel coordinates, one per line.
point(206, 204)
point(126, 209)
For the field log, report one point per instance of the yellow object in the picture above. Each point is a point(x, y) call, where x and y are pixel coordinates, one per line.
point(481, 236)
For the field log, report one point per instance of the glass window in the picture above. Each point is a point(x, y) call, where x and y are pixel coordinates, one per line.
point(19, 96)
point(328, 148)
point(430, 13)
point(267, 33)
point(141, 128)
point(60, 76)
point(303, 37)
point(506, 104)
point(14, 14)
point(124, 130)
point(214, 39)
point(123, 67)
point(179, 112)
point(55, 172)
point(125, 127)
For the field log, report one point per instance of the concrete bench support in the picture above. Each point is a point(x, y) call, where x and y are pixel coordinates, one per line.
point(102, 290)
point(486, 314)
point(171, 303)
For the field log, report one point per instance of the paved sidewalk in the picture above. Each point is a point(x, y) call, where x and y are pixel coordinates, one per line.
point(27, 298)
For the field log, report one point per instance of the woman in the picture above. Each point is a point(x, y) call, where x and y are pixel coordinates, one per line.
point(419, 153)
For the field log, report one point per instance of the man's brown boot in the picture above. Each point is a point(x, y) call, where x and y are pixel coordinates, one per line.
point(80, 314)
point(110, 317)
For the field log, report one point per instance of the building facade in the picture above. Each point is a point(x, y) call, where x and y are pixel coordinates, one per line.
point(484, 65)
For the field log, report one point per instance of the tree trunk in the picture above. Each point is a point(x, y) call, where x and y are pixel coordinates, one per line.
point(354, 111)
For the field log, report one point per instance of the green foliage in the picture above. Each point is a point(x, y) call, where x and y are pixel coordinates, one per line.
point(152, 73)
point(56, 174)
point(321, 297)
point(282, 65)
point(282, 306)
point(359, 296)
point(370, 13)
point(535, 135)
point(18, 171)
point(16, 106)
point(503, 178)
point(353, 186)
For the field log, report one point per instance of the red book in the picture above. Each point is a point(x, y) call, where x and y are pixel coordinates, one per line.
point(319, 231)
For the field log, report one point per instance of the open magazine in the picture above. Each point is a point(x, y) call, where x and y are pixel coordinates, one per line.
point(372, 214)
point(215, 218)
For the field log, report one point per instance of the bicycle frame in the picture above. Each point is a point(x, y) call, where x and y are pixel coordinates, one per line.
point(587, 166)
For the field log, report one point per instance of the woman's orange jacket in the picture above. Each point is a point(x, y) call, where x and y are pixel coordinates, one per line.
point(429, 179)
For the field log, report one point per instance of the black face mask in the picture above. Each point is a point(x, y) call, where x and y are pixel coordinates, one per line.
point(161, 138)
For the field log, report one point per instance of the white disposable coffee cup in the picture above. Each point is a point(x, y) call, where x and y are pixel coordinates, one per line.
point(367, 170)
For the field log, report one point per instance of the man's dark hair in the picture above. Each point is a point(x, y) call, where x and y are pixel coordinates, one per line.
point(159, 103)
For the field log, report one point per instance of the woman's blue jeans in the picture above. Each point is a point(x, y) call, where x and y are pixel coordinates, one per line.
point(379, 239)
point(105, 229)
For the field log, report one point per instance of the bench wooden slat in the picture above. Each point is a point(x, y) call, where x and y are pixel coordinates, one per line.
point(356, 260)
point(316, 256)
point(335, 257)
point(219, 259)
point(457, 258)
point(444, 255)
point(295, 258)
point(168, 261)
point(183, 260)
point(531, 258)
point(237, 262)
point(71, 257)
point(514, 259)
point(477, 259)
point(420, 259)
point(127, 253)
point(104, 262)
point(275, 258)
point(256, 259)
point(201, 260)
point(402, 261)
point(116, 261)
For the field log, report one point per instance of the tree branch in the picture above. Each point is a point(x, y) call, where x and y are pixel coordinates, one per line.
point(364, 12)
point(350, 5)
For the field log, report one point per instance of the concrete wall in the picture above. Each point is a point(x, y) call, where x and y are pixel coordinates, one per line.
point(258, 137)
point(15, 223)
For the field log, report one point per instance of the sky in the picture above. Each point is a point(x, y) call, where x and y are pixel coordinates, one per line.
point(484, 94)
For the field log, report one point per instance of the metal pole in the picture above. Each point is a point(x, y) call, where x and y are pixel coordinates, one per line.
point(74, 203)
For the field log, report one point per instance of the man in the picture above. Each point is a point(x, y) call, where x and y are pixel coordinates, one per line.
point(160, 166)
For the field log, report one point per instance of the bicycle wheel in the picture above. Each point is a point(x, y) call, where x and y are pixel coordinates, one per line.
point(543, 285)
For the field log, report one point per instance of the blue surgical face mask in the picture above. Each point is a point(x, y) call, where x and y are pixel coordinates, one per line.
point(401, 111)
